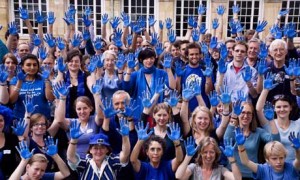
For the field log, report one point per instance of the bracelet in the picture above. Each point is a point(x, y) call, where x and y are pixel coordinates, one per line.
point(177, 145)
point(229, 113)
point(62, 98)
point(128, 73)
point(242, 150)
point(27, 117)
point(292, 79)
point(73, 143)
point(130, 120)
point(236, 118)
point(232, 162)
point(120, 72)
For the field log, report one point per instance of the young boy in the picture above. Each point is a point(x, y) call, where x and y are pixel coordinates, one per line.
point(276, 167)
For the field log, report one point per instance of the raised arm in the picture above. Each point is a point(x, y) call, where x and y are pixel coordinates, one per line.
point(183, 172)
point(96, 90)
point(220, 10)
point(295, 140)
point(225, 117)
point(124, 131)
point(167, 66)
point(71, 152)
point(228, 151)
point(268, 85)
point(52, 151)
point(142, 137)
point(60, 110)
point(25, 155)
point(240, 140)
point(175, 136)
point(187, 95)
point(4, 95)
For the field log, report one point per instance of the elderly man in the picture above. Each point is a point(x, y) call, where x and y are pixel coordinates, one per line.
point(278, 51)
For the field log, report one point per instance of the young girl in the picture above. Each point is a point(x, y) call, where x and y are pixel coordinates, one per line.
point(275, 154)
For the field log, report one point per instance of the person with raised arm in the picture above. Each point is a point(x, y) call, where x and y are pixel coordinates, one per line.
point(156, 168)
point(99, 163)
point(283, 106)
point(206, 165)
point(35, 165)
point(275, 154)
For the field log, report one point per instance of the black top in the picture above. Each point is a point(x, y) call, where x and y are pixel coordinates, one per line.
point(10, 156)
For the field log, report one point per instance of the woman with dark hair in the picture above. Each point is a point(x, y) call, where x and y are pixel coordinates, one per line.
point(155, 147)
point(147, 78)
point(76, 79)
point(163, 115)
point(243, 116)
point(283, 107)
point(8, 155)
point(206, 164)
point(29, 82)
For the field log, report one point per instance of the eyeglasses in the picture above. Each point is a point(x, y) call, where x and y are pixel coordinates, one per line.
point(40, 124)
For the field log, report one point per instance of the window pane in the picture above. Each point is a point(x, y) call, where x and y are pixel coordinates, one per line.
point(190, 8)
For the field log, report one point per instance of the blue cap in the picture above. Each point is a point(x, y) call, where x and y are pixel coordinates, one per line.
point(100, 139)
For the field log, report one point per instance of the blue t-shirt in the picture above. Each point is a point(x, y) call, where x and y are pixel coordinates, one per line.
point(36, 89)
point(163, 172)
point(266, 172)
point(190, 76)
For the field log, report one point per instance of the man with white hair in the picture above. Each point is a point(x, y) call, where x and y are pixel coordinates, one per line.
point(278, 51)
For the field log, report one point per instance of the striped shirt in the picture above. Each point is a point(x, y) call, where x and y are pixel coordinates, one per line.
point(88, 169)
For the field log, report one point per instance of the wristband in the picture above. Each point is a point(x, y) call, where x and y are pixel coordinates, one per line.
point(242, 150)
point(235, 118)
point(229, 113)
point(73, 143)
point(63, 98)
point(232, 162)
point(177, 145)
point(292, 79)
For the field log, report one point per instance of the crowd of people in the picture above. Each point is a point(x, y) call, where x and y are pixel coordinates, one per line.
point(128, 105)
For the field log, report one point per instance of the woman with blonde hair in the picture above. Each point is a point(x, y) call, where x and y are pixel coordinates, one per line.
point(201, 121)
point(35, 165)
point(206, 164)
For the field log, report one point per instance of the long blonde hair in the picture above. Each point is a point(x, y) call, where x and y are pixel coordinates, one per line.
point(193, 117)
